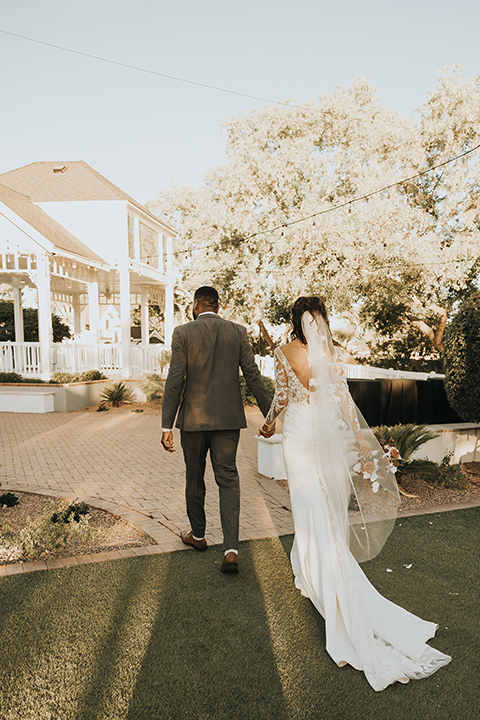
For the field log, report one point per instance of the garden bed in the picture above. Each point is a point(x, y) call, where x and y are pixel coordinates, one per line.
point(430, 495)
point(110, 532)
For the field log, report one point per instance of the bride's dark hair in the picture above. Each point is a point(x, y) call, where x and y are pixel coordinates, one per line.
point(312, 304)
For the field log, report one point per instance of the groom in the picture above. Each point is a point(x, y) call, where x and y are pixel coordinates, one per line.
point(206, 356)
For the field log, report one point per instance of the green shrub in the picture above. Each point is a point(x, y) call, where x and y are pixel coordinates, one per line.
point(13, 377)
point(248, 398)
point(8, 499)
point(91, 375)
point(10, 377)
point(461, 359)
point(446, 475)
point(116, 394)
point(153, 387)
point(40, 536)
point(64, 378)
point(75, 509)
point(49, 532)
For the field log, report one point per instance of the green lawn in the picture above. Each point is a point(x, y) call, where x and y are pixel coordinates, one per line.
point(171, 637)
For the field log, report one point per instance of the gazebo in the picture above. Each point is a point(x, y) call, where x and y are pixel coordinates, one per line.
point(83, 244)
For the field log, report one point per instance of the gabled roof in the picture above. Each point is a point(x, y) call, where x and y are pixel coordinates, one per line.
point(65, 181)
point(22, 206)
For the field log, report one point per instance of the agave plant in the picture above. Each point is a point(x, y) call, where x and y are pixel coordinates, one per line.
point(116, 394)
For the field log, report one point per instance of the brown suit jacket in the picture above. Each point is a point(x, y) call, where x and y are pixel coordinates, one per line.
point(206, 356)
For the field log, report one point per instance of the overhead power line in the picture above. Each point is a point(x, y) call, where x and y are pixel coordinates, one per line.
point(144, 70)
point(314, 215)
point(176, 78)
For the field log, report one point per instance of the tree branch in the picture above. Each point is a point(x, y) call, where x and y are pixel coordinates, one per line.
point(266, 335)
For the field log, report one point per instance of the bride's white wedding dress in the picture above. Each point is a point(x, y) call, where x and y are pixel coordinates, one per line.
point(363, 628)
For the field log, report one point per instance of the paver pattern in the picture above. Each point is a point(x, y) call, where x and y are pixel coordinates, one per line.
point(115, 461)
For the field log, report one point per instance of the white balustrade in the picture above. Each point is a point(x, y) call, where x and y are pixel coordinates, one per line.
point(22, 358)
point(147, 359)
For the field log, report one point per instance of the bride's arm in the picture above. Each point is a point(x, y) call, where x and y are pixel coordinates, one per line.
point(280, 399)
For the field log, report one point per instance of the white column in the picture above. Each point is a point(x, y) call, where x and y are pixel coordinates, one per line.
point(77, 327)
point(94, 317)
point(145, 319)
point(161, 247)
point(169, 321)
point(18, 320)
point(45, 334)
point(125, 321)
point(168, 314)
point(136, 237)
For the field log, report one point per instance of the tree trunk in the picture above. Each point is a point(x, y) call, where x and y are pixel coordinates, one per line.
point(266, 335)
point(435, 336)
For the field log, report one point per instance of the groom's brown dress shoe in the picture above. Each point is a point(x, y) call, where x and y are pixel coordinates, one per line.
point(230, 563)
point(188, 539)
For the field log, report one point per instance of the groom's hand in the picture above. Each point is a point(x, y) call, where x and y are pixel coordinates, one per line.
point(267, 430)
point(167, 441)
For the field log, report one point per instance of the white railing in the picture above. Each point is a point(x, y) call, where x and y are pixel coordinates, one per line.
point(147, 359)
point(22, 358)
point(109, 358)
point(367, 372)
point(69, 357)
point(353, 372)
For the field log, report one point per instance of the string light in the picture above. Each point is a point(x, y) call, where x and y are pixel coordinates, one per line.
point(347, 203)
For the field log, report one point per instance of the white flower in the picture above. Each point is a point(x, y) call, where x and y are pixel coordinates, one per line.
point(357, 467)
point(375, 487)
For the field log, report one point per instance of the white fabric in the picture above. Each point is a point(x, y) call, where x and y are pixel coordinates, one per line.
point(363, 628)
point(229, 551)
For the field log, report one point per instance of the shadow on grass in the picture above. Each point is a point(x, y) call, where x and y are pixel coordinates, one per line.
point(210, 653)
point(170, 637)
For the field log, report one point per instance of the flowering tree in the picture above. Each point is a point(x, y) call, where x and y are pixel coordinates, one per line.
point(395, 261)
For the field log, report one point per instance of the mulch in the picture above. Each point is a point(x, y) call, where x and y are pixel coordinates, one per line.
point(430, 495)
point(110, 531)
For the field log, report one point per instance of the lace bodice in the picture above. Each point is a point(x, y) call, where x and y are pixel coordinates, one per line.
point(288, 388)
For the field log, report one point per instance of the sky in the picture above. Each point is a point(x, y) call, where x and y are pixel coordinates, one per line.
point(145, 132)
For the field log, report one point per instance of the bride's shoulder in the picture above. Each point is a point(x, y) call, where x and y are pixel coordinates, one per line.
point(284, 349)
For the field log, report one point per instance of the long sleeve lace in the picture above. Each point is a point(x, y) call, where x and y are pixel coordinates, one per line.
point(280, 399)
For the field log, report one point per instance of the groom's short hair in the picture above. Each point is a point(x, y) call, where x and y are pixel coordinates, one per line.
point(206, 295)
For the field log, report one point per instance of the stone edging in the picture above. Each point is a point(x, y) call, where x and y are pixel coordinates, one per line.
point(147, 525)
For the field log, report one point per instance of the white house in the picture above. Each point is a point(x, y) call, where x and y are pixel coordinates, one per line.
point(86, 245)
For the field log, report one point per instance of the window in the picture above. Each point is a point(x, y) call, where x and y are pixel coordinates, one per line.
point(148, 245)
point(131, 236)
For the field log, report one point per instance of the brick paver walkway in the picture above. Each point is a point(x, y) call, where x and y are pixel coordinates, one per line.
point(114, 461)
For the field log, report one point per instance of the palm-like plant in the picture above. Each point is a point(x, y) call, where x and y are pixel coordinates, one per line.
point(153, 387)
point(116, 394)
point(407, 439)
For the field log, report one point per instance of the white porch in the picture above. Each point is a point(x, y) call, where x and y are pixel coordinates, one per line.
point(71, 357)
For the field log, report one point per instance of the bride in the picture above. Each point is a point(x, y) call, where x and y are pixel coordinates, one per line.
point(344, 499)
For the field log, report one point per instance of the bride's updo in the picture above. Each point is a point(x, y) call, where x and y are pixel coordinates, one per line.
point(312, 304)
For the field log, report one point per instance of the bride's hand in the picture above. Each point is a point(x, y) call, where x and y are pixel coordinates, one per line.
point(267, 431)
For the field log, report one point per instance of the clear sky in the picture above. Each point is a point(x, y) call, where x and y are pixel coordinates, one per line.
point(143, 131)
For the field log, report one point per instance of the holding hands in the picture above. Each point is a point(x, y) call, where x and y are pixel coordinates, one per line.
point(267, 430)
